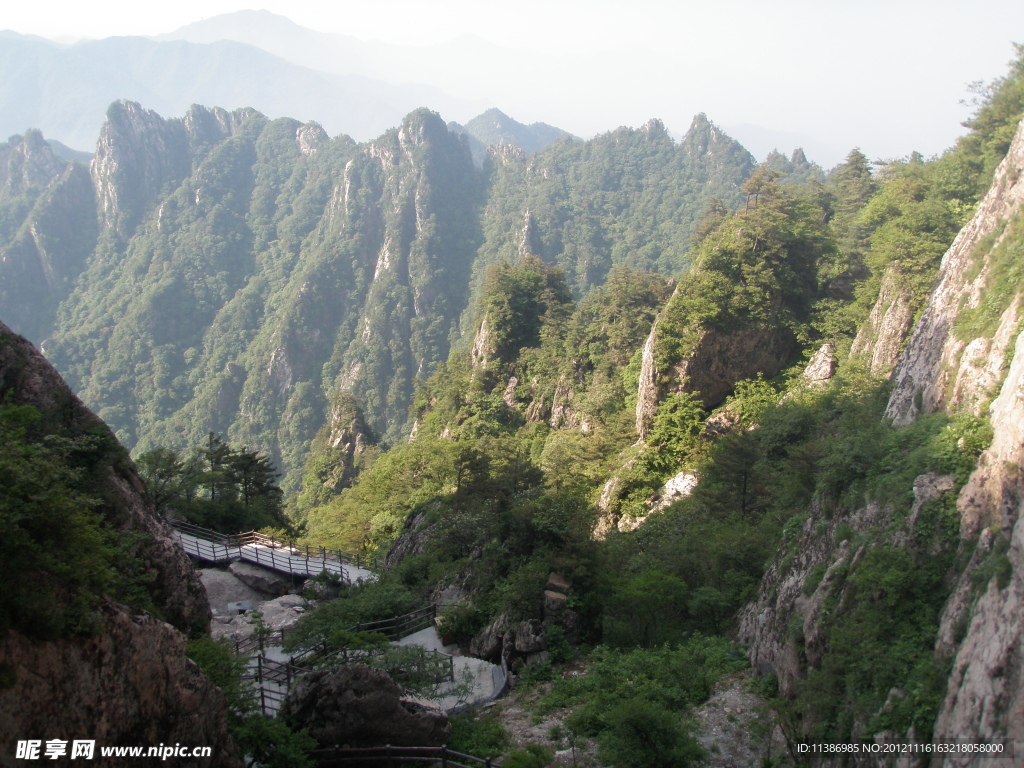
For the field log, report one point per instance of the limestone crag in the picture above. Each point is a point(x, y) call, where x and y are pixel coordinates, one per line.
point(717, 362)
point(130, 686)
point(930, 369)
point(139, 153)
point(26, 162)
point(882, 336)
point(943, 368)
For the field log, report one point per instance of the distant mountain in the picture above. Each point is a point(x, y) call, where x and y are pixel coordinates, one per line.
point(494, 127)
point(224, 272)
point(65, 90)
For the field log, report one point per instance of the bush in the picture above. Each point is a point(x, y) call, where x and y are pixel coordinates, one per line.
point(478, 735)
point(533, 756)
point(643, 734)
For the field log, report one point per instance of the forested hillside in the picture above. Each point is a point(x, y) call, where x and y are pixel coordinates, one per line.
point(769, 492)
point(242, 272)
point(630, 407)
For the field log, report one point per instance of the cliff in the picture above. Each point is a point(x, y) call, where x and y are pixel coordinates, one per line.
point(96, 668)
point(962, 368)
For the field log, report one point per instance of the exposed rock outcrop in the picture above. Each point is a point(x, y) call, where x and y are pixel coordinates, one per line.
point(26, 378)
point(712, 369)
point(129, 682)
point(951, 363)
point(881, 338)
point(931, 367)
point(357, 706)
point(139, 153)
point(130, 686)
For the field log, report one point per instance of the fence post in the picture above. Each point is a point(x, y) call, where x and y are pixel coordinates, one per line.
point(444, 756)
point(259, 670)
point(388, 754)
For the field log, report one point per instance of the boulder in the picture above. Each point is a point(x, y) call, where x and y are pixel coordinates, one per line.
point(558, 583)
point(527, 637)
point(554, 603)
point(261, 579)
point(357, 706)
point(283, 612)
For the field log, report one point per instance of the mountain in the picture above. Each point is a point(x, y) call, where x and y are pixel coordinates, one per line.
point(243, 271)
point(65, 90)
point(494, 128)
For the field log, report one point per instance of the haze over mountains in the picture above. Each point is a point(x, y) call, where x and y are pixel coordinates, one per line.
point(263, 60)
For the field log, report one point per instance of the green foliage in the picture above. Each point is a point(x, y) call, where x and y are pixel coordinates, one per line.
point(263, 740)
point(268, 742)
point(478, 734)
point(220, 487)
point(882, 636)
point(532, 756)
point(756, 270)
point(1004, 279)
point(645, 610)
point(646, 735)
point(224, 669)
point(331, 622)
point(521, 302)
point(678, 422)
point(670, 680)
point(50, 517)
point(461, 622)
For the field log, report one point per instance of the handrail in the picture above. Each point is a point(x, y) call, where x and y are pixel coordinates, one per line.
point(447, 757)
point(255, 538)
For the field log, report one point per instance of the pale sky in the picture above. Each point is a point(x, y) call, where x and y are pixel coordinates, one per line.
point(885, 75)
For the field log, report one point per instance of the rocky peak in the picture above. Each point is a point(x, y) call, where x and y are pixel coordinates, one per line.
point(205, 125)
point(27, 162)
point(140, 153)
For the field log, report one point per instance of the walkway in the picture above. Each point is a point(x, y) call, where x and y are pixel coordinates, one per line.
point(266, 552)
point(474, 681)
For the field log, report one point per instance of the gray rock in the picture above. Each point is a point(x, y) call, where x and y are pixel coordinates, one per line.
point(261, 579)
point(527, 637)
point(357, 706)
point(283, 612)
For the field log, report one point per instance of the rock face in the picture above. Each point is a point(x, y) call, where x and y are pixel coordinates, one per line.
point(43, 254)
point(26, 378)
point(262, 579)
point(139, 153)
point(717, 362)
point(931, 367)
point(945, 369)
point(881, 338)
point(951, 363)
point(357, 706)
point(130, 686)
point(985, 697)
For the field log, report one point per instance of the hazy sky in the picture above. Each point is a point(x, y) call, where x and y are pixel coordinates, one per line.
point(887, 76)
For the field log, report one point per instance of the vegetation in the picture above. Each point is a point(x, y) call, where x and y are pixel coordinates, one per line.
point(264, 741)
point(229, 490)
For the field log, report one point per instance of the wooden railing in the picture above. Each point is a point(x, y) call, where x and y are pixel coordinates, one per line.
point(220, 547)
point(395, 756)
point(401, 626)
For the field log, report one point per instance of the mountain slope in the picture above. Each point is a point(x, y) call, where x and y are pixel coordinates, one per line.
point(243, 271)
